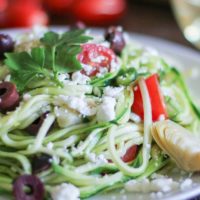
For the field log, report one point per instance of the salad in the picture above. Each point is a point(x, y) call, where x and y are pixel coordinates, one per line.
point(82, 114)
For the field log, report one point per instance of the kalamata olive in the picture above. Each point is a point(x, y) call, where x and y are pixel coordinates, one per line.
point(114, 35)
point(41, 163)
point(9, 97)
point(35, 126)
point(6, 44)
point(28, 187)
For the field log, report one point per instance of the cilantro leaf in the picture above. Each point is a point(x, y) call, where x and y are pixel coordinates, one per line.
point(57, 54)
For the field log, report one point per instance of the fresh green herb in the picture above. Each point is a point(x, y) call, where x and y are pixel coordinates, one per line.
point(58, 54)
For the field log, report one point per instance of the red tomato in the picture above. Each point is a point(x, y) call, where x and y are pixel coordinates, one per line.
point(99, 12)
point(156, 97)
point(3, 5)
point(130, 154)
point(58, 6)
point(97, 56)
point(24, 14)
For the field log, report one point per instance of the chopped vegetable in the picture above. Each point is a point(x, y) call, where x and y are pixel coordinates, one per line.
point(130, 154)
point(98, 58)
point(156, 97)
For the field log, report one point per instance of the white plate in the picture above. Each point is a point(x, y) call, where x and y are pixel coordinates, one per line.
point(188, 60)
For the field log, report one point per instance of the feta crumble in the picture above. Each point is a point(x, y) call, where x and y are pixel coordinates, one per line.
point(80, 78)
point(66, 117)
point(106, 110)
point(186, 184)
point(86, 107)
point(64, 78)
point(135, 118)
point(102, 72)
point(87, 68)
point(98, 159)
point(65, 191)
point(114, 92)
point(157, 185)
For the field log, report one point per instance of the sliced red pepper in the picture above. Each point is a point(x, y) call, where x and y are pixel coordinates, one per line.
point(156, 97)
point(130, 154)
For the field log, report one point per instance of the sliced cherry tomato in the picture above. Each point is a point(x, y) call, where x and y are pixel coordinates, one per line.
point(58, 6)
point(156, 97)
point(130, 154)
point(96, 56)
point(99, 12)
point(24, 14)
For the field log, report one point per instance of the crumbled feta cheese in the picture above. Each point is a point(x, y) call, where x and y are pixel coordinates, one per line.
point(50, 145)
point(66, 117)
point(156, 185)
point(114, 92)
point(86, 107)
point(100, 159)
point(102, 72)
point(186, 184)
point(135, 118)
point(98, 59)
point(161, 118)
point(26, 97)
point(87, 68)
point(80, 78)
point(64, 78)
point(106, 110)
point(65, 191)
point(114, 66)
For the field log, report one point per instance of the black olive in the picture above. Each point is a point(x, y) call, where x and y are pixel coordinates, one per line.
point(28, 187)
point(41, 163)
point(6, 44)
point(9, 97)
point(35, 126)
point(114, 35)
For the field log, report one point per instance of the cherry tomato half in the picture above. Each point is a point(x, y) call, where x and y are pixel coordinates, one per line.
point(99, 12)
point(96, 56)
point(156, 97)
point(130, 154)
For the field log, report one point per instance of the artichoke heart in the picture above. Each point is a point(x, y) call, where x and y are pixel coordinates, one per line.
point(181, 145)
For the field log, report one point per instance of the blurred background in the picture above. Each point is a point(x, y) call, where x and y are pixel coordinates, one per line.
point(166, 19)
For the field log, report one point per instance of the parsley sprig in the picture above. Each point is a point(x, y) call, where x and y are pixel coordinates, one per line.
point(57, 54)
